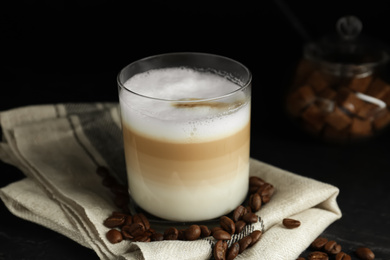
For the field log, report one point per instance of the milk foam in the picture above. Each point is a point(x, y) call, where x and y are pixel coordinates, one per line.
point(193, 123)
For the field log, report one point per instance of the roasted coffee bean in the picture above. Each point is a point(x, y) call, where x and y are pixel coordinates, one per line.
point(255, 202)
point(255, 235)
point(219, 250)
point(128, 220)
point(250, 218)
point(265, 199)
point(254, 184)
point(342, 256)
point(227, 224)
point(204, 231)
point(318, 255)
point(193, 232)
point(365, 253)
point(114, 221)
point(126, 232)
point(142, 238)
point(319, 243)
point(157, 237)
point(114, 236)
point(238, 213)
point(240, 225)
point(266, 189)
point(291, 223)
point(256, 181)
point(233, 251)
point(244, 243)
point(301, 258)
point(248, 209)
point(215, 229)
point(102, 171)
point(171, 233)
point(182, 235)
point(134, 229)
point(222, 235)
point(140, 218)
point(331, 247)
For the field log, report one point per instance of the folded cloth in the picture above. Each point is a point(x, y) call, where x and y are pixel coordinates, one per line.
point(59, 147)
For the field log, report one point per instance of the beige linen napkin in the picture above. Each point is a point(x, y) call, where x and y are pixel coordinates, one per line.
point(58, 147)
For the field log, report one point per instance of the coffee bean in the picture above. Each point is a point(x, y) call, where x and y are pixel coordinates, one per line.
point(318, 255)
point(238, 213)
point(128, 220)
point(233, 251)
point(181, 235)
point(157, 237)
point(140, 218)
point(244, 243)
point(331, 247)
point(342, 256)
point(215, 229)
point(301, 258)
point(142, 238)
point(255, 202)
point(266, 189)
point(114, 221)
point(255, 235)
point(114, 236)
point(135, 229)
point(222, 235)
point(250, 218)
point(291, 223)
point(204, 231)
point(256, 181)
point(171, 233)
point(240, 225)
point(364, 253)
point(126, 233)
point(227, 224)
point(219, 250)
point(193, 232)
point(319, 243)
point(265, 199)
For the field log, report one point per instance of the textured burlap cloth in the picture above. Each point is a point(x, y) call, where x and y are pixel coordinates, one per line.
point(58, 148)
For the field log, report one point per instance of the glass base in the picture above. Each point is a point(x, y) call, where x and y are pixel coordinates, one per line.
point(160, 224)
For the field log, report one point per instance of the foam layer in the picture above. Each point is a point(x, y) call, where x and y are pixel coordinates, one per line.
point(189, 121)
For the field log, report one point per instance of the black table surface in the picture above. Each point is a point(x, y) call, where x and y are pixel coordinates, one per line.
point(54, 52)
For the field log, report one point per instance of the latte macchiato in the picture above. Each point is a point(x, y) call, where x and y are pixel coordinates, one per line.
point(186, 138)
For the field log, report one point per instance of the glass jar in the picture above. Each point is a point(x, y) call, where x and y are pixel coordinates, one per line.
point(339, 92)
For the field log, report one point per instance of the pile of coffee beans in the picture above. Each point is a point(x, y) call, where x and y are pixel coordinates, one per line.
point(324, 249)
point(124, 226)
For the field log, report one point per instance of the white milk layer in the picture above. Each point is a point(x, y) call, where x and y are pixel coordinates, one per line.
point(198, 199)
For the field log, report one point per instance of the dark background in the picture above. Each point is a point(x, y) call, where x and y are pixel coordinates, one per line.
point(71, 51)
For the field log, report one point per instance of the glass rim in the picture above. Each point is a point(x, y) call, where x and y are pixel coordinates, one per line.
point(245, 85)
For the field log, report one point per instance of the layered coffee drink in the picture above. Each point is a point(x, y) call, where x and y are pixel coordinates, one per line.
point(186, 138)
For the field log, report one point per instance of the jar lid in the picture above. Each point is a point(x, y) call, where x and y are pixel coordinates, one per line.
point(348, 53)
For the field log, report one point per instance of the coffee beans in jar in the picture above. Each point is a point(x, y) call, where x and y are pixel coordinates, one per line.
point(339, 92)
